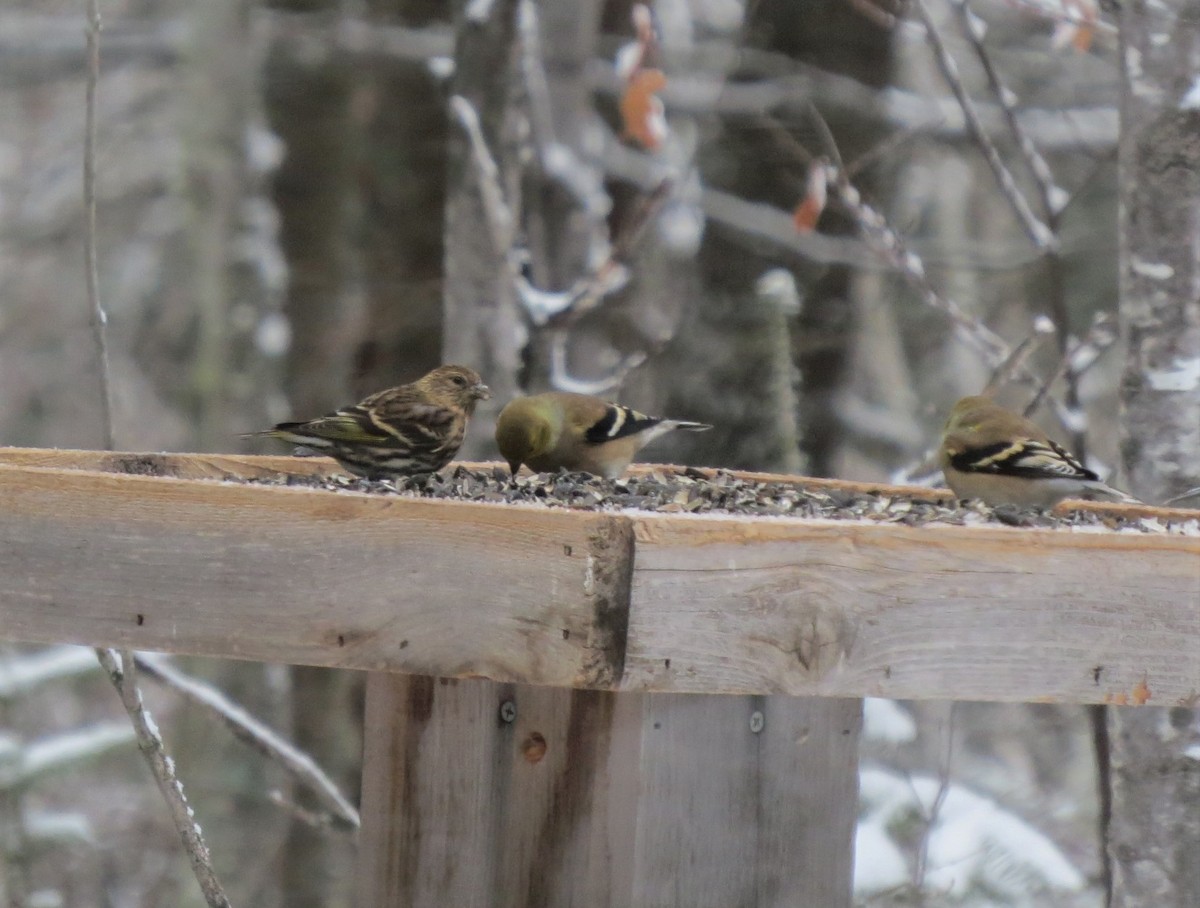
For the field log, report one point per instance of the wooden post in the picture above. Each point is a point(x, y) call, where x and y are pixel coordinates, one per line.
point(509, 796)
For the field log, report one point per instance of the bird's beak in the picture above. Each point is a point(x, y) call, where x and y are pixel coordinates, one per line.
point(480, 391)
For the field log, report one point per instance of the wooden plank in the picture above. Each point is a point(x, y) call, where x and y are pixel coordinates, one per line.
point(256, 466)
point(175, 466)
point(588, 799)
point(532, 595)
point(936, 612)
point(461, 807)
point(747, 801)
point(313, 577)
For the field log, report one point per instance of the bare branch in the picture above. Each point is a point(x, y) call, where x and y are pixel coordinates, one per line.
point(557, 160)
point(120, 666)
point(1062, 12)
point(1081, 357)
point(122, 673)
point(1039, 234)
point(931, 815)
point(894, 108)
point(874, 12)
point(561, 378)
point(99, 318)
point(499, 215)
point(1004, 373)
point(1053, 197)
point(299, 765)
point(551, 308)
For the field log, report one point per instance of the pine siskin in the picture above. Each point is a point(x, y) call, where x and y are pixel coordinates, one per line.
point(403, 431)
point(1001, 457)
point(560, 430)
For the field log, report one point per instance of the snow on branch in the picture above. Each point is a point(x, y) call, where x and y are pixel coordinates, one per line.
point(122, 673)
point(299, 765)
point(609, 274)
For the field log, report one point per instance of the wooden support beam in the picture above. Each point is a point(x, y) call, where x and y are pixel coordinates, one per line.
point(599, 800)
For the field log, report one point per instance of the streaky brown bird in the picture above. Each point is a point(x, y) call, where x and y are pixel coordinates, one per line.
point(403, 431)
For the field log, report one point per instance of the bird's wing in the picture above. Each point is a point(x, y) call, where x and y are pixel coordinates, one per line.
point(618, 422)
point(349, 426)
point(1026, 458)
point(414, 425)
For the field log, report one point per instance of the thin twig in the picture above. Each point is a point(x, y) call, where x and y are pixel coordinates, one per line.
point(931, 816)
point(1042, 327)
point(123, 675)
point(1039, 234)
point(1053, 197)
point(120, 666)
point(1053, 201)
point(557, 310)
point(99, 319)
point(299, 765)
point(887, 244)
point(1081, 357)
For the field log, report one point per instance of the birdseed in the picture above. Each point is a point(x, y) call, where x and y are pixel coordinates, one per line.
point(690, 491)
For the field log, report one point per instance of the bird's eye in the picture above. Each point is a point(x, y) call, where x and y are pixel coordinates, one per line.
point(459, 380)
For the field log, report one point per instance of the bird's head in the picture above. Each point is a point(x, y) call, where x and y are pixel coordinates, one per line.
point(455, 386)
point(968, 413)
point(526, 428)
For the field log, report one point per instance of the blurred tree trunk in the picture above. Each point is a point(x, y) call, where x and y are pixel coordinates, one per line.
point(1154, 833)
point(750, 161)
point(402, 181)
point(308, 100)
point(483, 325)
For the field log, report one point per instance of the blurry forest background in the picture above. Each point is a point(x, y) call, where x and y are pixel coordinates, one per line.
point(804, 246)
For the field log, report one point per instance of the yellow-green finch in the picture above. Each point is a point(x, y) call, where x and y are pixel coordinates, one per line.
point(1000, 457)
point(577, 432)
point(402, 431)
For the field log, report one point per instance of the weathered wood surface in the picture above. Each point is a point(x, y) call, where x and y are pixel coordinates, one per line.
point(591, 799)
point(175, 466)
point(892, 611)
point(625, 600)
point(257, 466)
point(312, 577)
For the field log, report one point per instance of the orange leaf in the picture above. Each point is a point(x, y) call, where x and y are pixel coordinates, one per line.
point(808, 211)
point(641, 110)
point(1077, 27)
point(1141, 693)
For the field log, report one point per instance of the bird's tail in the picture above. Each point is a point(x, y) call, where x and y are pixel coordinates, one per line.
point(1100, 491)
point(685, 425)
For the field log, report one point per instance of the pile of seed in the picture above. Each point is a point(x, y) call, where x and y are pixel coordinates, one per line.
point(691, 491)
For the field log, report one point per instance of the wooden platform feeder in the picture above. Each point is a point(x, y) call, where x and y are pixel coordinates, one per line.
point(580, 708)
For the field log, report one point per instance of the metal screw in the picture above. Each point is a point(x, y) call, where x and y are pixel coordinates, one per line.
point(508, 711)
point(757, 721)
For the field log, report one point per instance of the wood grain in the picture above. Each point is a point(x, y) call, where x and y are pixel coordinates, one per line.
point(590, 799)
point(312, 577)
point(817, 608)
point(175, 466)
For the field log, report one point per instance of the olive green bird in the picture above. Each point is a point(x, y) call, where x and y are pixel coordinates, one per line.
point(1001, 457)
point(577, 432)
point(403, 431)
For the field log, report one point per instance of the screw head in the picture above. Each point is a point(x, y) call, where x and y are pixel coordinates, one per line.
point(757, 721)
point(508, 711)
